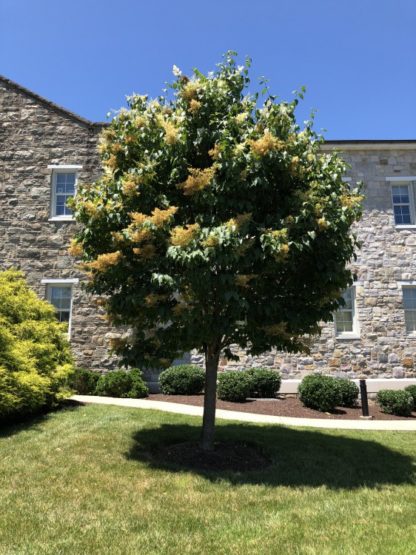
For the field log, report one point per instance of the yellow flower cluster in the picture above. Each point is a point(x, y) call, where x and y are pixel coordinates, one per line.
point(323, 223)
point(139, 121)
point(197, 180)
point(139, 235)
point(239, 118)
point(265, 144)
point(171, 132)
point(146, 251)
point(90, 208)
point(214, 152)
point(75, 249)
point(239, 221)
point(160, 217)
point(190, 90)
point(351, 201)
point(194, 106)
point(284, 250)
point(105, 261)
point(129, 187)
point(182, 235)
point(138, 217)
point(211, 241)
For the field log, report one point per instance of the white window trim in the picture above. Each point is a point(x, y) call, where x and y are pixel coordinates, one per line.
point(409, 182)
point(355, 333)
point(69, 282)
point(63, 168)
point(404, 285)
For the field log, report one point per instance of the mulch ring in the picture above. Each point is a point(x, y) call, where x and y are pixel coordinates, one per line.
point(226, 456)
point(282, 406)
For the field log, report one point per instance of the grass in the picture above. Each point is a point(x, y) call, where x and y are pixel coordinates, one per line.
point(81, 481)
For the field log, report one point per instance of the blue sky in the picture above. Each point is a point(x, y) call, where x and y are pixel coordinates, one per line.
point(356, 57)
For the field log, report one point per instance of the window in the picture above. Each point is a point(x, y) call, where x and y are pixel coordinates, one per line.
point(402, 204)
point(409, 303)
point(59, 294)
point(346, 323)
point(64, 183)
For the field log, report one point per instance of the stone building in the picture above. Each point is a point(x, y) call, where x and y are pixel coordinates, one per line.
point(45, 150)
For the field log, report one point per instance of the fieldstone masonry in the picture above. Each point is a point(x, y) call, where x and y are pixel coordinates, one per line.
point(35, 133)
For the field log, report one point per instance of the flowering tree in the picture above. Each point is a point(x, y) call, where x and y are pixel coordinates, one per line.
point(216, 222)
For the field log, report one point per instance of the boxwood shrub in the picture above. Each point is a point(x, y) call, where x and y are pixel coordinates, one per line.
point(349, 392)
point(121, 383)
point(84, 381)
point(412, 390)
point(233, 386)
point(320, 392)
point(263, 382)
point(183, 379)
point(398, 402)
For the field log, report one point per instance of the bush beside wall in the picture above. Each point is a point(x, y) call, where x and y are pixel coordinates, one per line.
point(183, 379)
point(35, 357)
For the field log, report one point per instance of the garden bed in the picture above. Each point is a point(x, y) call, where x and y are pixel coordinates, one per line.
point(283, 406)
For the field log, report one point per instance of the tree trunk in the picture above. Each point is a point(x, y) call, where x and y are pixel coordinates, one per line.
point(212, 357)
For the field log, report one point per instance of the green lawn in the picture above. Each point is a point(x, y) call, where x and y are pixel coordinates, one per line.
point(80, 481)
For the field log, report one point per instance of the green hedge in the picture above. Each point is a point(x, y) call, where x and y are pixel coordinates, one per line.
point(320, 393)
point(35, 358)
point(84, 381)
point(398, 402)
point(233, 386)
point(121, 383)
point(265, 383)
point(412, 390)
point(183, 379)
point(349, 392)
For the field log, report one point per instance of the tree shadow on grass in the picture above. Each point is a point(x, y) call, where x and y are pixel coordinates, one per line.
point(298, 458)
point(10, 427)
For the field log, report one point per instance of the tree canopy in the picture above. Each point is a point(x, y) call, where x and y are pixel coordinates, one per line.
point(217, 221)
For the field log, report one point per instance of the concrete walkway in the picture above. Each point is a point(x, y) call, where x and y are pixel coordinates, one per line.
point(395, 425)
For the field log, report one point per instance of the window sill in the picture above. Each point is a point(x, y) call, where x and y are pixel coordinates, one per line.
point(61, 219)
point(405, 226)
point(348, 335)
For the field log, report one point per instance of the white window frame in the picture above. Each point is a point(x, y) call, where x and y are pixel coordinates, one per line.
point(407, 285)
point(355, 333)
point(55, 169)
point(404, 181)
point(57, 282)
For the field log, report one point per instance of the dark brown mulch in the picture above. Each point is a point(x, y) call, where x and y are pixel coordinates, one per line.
point(231, 456)
point(283, 406)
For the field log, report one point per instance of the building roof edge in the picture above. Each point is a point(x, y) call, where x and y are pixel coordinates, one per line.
point(56, 107)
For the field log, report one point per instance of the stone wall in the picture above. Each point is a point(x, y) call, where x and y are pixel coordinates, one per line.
point(33, 135)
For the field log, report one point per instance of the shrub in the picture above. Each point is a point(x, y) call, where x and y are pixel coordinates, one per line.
point(184, 379)
point(84, 381)
point(233, 386)
point(263, 382)
point(121, 383)
point(35, 358)
point(349, 392)
point(395, 402)
point(412, 390)
point(320, 393)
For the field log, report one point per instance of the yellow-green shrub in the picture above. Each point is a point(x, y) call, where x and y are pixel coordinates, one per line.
point(35, 358)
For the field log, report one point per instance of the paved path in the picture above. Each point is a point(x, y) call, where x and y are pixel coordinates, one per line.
point(398, 425)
